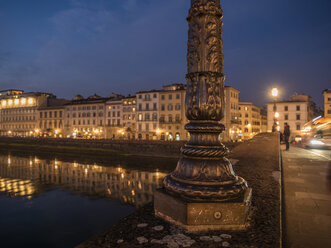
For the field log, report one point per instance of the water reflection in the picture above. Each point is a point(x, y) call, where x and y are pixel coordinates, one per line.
point(30, 177)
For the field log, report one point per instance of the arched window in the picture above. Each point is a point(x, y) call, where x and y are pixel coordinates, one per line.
point(177, 137)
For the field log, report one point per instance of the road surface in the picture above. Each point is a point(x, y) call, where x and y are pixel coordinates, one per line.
point(307, 197)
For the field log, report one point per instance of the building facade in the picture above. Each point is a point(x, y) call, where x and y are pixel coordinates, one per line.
point(231, 114)
point(147, 120)
point(172, 113)
point(296, 113)
point(250, 120)
point(51, 118)
point(19, 112)
point(327, 103)
point(114, 114)
point(129, 116)
point(85, 118)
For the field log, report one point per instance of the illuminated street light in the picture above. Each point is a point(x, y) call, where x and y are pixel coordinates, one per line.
point(277, 115)
point(274, 92)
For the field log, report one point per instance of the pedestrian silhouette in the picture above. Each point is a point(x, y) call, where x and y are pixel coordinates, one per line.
point(287, 133)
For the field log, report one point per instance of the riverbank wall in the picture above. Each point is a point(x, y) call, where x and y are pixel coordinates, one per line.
point(130, 147)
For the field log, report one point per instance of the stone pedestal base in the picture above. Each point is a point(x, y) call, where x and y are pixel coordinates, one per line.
point(203, 216)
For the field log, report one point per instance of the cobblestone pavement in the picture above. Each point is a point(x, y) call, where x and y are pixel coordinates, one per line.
point(307, 197)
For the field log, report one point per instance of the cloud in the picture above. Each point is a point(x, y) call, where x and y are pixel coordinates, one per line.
point(108, 48)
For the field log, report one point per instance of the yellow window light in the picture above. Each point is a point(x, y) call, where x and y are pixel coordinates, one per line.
point(23, 100)
point(16, 101)
point(10, 102)
point(30, 101)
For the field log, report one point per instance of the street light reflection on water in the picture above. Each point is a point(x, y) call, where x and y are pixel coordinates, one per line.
point(21, 176)
point(42, 198)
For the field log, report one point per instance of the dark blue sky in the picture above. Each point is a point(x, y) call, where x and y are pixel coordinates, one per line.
point(103, 46)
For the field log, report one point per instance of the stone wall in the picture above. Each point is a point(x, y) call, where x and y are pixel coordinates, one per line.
point(136, 147)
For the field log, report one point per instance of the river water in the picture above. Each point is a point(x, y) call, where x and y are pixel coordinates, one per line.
point(48, 202)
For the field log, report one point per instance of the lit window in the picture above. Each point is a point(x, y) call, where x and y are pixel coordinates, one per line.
point(30, 101)
point(16, 101)
point(23, 100)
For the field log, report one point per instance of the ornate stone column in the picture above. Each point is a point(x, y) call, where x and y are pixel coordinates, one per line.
point(204, 186)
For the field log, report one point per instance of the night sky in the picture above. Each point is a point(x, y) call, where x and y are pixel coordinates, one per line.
point(68, 47)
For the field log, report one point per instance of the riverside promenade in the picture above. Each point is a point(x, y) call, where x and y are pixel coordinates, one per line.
point(307, 197)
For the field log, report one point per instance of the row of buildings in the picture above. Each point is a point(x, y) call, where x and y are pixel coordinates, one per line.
point(149, 115)
point(297, 112)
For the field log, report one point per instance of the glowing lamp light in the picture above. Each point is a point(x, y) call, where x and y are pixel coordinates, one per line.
point(158, 131)
point(249, 125)
point(278, 128)
point(277, 115)
point(274, 92)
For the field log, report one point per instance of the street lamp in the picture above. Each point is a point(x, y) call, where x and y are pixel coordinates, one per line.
point(274, 93)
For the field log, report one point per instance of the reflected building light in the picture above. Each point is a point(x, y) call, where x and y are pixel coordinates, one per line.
point(109, 191)
point(133, 193)
point(56, 167)
point(86, 171)
point(119, 169)
point(122, 175)
point(30, 162)
point(9, 161)
point(139, 185)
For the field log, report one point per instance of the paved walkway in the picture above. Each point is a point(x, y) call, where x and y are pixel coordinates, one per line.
point(307, 197)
